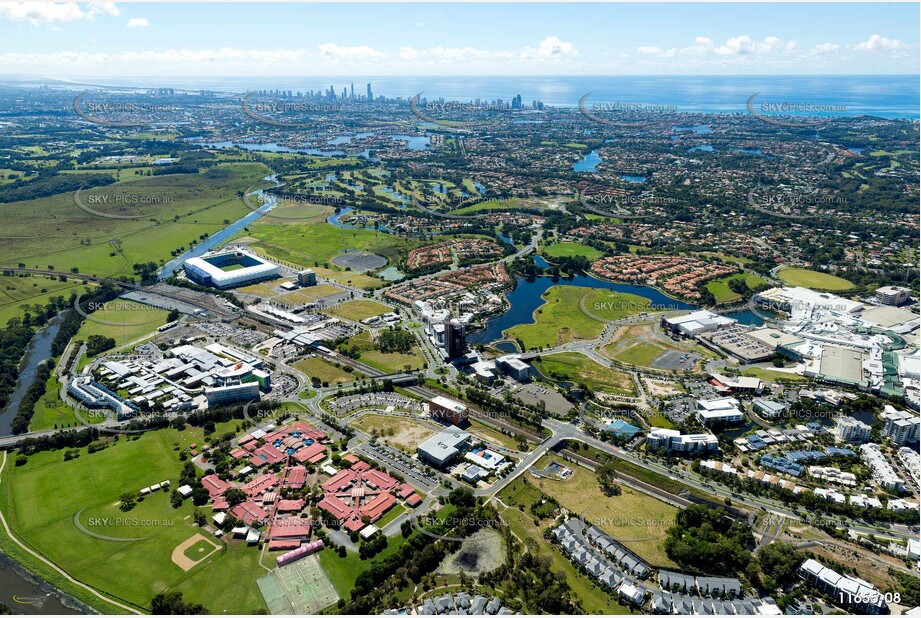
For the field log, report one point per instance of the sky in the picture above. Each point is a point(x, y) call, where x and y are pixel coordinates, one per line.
point(71, 39)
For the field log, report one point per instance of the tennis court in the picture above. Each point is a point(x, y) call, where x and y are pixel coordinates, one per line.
point(306, 586)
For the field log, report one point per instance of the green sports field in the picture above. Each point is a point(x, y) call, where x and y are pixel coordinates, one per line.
point(359, 310)
point(570, 249)
point(41, 500)
point(813, 279)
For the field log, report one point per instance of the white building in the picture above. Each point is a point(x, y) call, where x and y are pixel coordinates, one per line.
point(674, 441)
point(849, 429)
point(235, 393)
point(696, 323)
point(724, 410)
point(893, 295)
point(227, 269)
point(901, 427)
point(883, 472)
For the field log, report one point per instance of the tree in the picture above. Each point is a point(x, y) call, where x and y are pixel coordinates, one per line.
point(779, 562)
point(127, 501)
point(171, 604)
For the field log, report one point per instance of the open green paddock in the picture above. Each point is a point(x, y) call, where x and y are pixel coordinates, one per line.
point(174, 211)
point(41, 499)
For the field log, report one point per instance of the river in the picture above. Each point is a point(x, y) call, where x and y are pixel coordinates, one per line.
point(26, 594)
point(39, 350)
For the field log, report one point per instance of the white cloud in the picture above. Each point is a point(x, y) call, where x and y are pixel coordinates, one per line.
point(825, 48)
point(138, 22)
point(881, 43)
point(39, 13)
point(358, 52)
point(649, 49)
point(553, 47)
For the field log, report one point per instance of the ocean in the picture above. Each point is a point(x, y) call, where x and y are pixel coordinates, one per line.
point(887, 96)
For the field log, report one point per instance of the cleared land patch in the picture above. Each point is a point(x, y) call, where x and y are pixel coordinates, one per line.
point(578, 368)
point(813, 279)
point(558, 320)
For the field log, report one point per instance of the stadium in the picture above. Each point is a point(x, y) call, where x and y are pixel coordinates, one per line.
point(229, 269)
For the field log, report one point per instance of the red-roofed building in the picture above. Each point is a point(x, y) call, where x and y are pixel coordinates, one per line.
point(290, 528)
point(295, 476)
point(376, 507)
point(260, 484)
point(312, 453)
point(404, 490)
point(338, 509)
point(245, 440)
point(249, 513)
point(414, 500)
point(239, 453)
point(379, 480)
point(354, 524)
point(269, 454)
point(350, 458)
point(220, 504)
point(215, 486)
point(361, 466)
point(340, 481)
point(278, 544)
point(291, 506)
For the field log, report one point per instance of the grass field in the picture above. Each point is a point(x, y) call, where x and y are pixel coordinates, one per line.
point(491, 435)
point(570, 249)
point(343, 572)
point(578, 368)
point(175, 211)
point(635, 519)
point(558, 320)
point(41, 499)
point(407, 433)
point(325, 371)
point(308, 295)
point(813, 279)
point(51, 411)
point(610, 306)
point(520, 492)
point(311, 245)
point(720, 287)
point(126, 321)
point(16, 292)
point(358, 310)
point(772, 376)
point(641, 353)
point(390, 362)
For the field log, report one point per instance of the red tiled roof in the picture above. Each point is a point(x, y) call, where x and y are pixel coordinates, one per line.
point(349, 458)
point(238, 453)
point(335, 507)
point(220, 504)
point(354, 525)
point(269, 453)
point(290, 527)
point(290, 506)
point(295, 476)
point(249, 512)
point(314, 453)
point(414, 500)
point(376, 507)
point(261, 483)
point(214, 485)
point(381, 479)
point(340, 480)
point(404, 490)
point(361, 466)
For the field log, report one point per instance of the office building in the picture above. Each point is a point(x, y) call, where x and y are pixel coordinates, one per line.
point(893, 295)
point(722, 411)
point(441, 449)
point(444, 409)
point(454, 338)
point(234, 393)
point(306, 278)
point(674, 441)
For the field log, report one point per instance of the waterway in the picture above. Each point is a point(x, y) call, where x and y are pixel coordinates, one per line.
point(526, 298)
point(25, 594)
point(39, 350)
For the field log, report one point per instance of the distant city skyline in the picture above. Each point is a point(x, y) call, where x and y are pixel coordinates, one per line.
point(450, 39)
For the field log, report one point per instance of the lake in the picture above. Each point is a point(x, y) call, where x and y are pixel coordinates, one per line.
point(588, 163)
point(526, 298)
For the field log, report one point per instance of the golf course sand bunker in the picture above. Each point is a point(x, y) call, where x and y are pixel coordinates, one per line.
point(360, 262)
point(480, 553)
